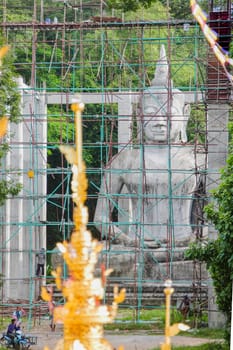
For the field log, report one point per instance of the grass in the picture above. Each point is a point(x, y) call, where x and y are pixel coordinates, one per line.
point(144, 314)
point(152, 319)
point(210, 346)
point(129, 326)
point(206, 333)
point(152, 322)
point(148, 319)
point(156, 315)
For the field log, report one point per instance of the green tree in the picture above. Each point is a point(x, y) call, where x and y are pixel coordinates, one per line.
point(129, 5)
point(218, 254)
point(9, 105)
point(181, 9)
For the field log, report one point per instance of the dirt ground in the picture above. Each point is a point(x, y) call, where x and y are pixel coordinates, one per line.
point(130, 340)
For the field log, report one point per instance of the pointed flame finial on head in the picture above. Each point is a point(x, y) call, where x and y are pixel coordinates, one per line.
point(161, 75)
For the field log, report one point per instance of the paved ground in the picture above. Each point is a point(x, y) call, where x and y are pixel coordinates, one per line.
point(130, 340)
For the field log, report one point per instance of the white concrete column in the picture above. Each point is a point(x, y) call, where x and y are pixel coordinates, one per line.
point(218, 115)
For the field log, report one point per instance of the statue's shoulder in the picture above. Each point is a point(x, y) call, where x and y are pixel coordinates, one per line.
point(188, 156)
point(124, 158)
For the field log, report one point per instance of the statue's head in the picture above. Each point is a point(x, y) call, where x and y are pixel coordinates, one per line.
point(163, 108)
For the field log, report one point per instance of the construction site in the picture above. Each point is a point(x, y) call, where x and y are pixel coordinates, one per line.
point(145, 198)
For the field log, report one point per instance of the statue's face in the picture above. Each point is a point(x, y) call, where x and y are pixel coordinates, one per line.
point(155, 117)
point(155, 124)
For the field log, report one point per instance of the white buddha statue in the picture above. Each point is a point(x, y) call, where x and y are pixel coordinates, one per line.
point(160, 177)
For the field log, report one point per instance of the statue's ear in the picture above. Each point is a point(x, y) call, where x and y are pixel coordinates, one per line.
point(183, 127)
point(187, 110)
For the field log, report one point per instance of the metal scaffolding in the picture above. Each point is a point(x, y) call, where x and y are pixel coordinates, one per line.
point(110, 61)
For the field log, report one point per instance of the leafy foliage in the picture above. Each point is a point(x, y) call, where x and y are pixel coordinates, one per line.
point(9, 105)
point(196, 125)
point(9, 96)
point(218, 254)
point(129, 5)
point(181, 9)
point(8, 187)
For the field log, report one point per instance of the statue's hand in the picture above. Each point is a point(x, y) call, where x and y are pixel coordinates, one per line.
point(119, 237)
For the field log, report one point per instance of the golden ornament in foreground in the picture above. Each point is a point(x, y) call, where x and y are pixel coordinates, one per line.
point(83, 314)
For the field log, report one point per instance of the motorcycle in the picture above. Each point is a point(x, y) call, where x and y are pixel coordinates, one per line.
point(7, 341)
point(18, 342)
